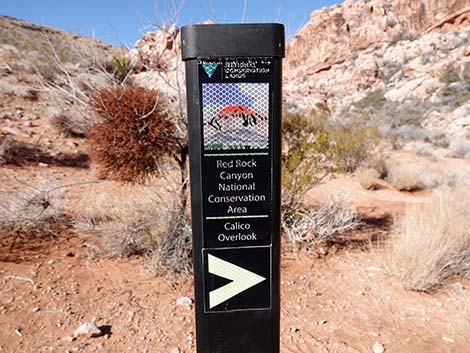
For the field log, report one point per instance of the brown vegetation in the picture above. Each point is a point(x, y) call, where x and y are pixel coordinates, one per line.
point(134, 133)
point(432, 241)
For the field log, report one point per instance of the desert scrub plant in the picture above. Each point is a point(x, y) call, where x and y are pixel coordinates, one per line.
point(120, 67)
point(375, 99)
point(136, 135)
point(324, 224)
point(69, 126)
point(350, 143)
point(126, 228)
point(459, 148)
point(367, 177)
point(314, 148)
point(431, 242)
point(303, 157)
point(151, 227)
point(33, 211)
point(449, 76)
point(13, 151)
point(407, 176)
point(134, 132)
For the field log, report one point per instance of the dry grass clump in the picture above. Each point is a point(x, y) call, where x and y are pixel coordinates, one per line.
point(150, 228)
point(408, 176)
point(69, 126)
point(174, 253)
point(126, 228)
point(322, 225)
point(459, 148)
point(32, 211)
point(28, 93)
point(367, 177)
point(134, 132)
point(432, 241)
point(13, 151)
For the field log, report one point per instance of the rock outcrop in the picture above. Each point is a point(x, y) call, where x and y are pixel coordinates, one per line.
point(335, 34)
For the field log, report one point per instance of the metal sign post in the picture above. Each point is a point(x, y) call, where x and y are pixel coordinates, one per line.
point(233, 81)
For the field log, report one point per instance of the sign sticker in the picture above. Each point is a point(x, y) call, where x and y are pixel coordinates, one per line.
point(235, 115)
point(237, 279)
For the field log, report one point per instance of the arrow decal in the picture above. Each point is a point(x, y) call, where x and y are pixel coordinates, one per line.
point(241, 278)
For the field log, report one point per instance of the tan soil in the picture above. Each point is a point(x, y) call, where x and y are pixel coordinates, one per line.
point(341, 303)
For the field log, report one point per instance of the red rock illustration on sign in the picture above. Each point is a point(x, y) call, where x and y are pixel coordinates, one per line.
point(233, 115)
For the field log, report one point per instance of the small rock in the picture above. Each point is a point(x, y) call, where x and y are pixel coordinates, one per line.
point(322, 322)
point(184, 301)
point(35, 310)
point(72, 143)
point(447, 339)
point(88, 329)
point(15, 131)
point(69, 338)
point(378, 348)
point(81, 347)
point(44, 165)
point(28, 123)
point(458, 287)
point(175, 350)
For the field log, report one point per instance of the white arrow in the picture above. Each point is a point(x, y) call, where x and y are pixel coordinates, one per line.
point(242, 279)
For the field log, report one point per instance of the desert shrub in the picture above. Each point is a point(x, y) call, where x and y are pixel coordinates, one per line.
point(367, 177)
point(126, 228)
point(35, 211)
point(28, 93)
point(459, 148)
point(375, 99)
point(351, 143)
point(449, 76)
point(13, 151)
point(134, 133)
point(173, 254)
point(324, 224)
point(424, 150)
point(431, 242)
point(303, 158)
point(69, 126)
point(315, 147)
point(120, 67)
point(410, 133)
point(378, 162)
point(151, 227)
point(408, 176)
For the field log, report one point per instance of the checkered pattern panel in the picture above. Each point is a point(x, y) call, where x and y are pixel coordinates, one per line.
point(236, 115)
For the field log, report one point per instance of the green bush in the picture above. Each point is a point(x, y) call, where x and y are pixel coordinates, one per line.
point(121, 67)
point(314, 147)
point(305, 145)
point(351, 143)
point(449, 76)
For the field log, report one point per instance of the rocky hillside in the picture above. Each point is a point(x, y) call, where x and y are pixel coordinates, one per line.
point(403, 64)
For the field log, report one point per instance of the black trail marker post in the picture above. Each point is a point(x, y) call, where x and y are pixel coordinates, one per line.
point(233, 81)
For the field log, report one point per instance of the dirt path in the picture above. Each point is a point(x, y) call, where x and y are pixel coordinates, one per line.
point(341, 303)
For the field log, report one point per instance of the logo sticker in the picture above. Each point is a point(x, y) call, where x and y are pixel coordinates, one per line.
point(210, 68)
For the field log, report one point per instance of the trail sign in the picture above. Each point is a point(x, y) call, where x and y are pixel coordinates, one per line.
point(233, 86)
